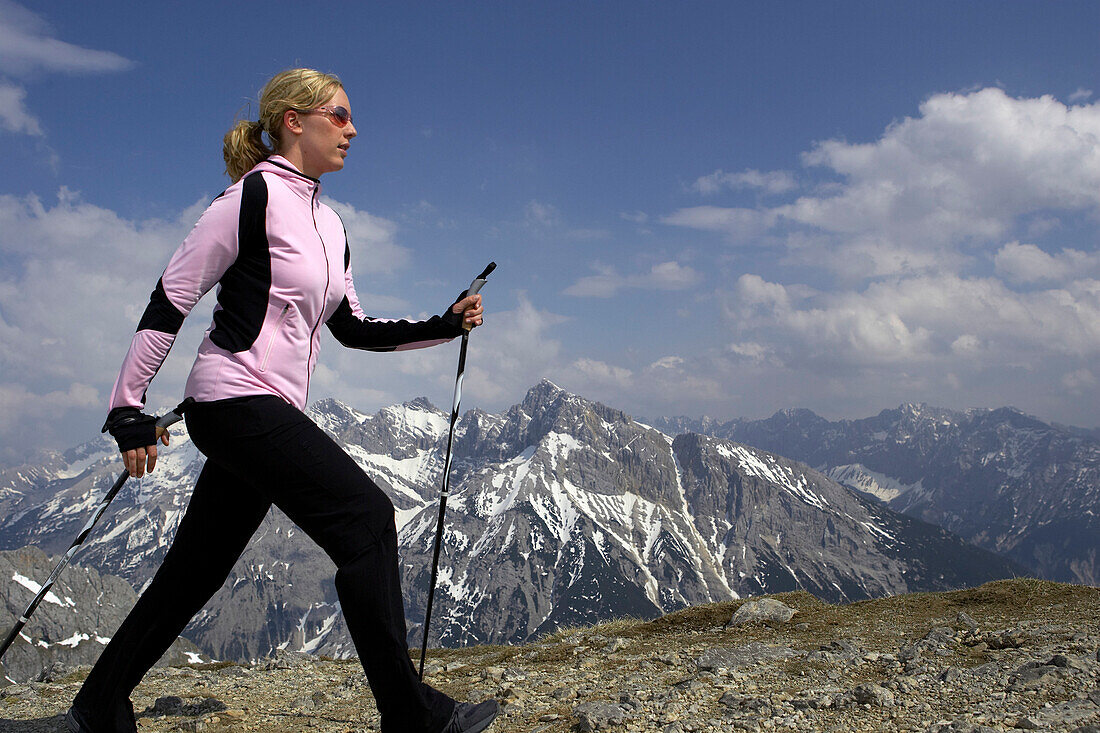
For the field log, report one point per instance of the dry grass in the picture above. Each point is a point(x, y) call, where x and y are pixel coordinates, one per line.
point(885, 622)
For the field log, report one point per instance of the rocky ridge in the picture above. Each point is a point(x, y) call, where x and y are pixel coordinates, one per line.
point(1000, 479)
point(563, 512)
point(75, 620)
point(1015, 654)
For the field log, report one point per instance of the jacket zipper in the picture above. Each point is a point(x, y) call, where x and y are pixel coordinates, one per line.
point(324, 298)
point(274, 335)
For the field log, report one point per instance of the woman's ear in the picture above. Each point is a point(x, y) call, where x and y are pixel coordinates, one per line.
point(292, 122)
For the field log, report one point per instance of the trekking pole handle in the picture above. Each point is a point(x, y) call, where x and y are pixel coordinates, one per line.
point(174, 416)
point(476, 285)
point(479, 281)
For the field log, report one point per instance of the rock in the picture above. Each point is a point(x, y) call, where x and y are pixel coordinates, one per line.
point(873, 695)
point(964, 619)
point(54, 672)
point(282, 659)
point(191, 726)
point(303, 702)
point(841, 649)
point(762, 609)
point(742, 656)
point(592, 716)
point(564, 693)
point(169, 705)
point(938, 638)
point(813, 700)
point(615, 645)
point(630, 700)
point(18, 690)
point(745, 703)
point(1032, 676)
point(1004, 639)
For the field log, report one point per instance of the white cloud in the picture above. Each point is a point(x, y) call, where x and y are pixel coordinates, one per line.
point(608, 282)
point(75, 282)
point(23, 412)
point(27, 49)
point(966, 168)
point(27, 46)
point(924, 290)
point(939, 321)
point(933, 190)
point(1027, 263)
point(671, 385)
point(1081, 95)
point(77, 277)
point(372, 240)
point(14, 116)
point(600, 375)
point(588, 234)
point(540, 215)
point(737, 223)
point(774, 182)
point(1079, 380)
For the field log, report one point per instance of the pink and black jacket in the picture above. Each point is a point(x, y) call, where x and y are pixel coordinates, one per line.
point(282, 264)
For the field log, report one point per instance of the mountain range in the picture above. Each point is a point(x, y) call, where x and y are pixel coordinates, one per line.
point(563, 511)
point(1000, 479)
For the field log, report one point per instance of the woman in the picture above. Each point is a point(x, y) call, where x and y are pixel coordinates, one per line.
point(282, 265)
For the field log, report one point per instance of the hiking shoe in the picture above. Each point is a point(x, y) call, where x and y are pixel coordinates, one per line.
point(75, 722)
point(470, 718)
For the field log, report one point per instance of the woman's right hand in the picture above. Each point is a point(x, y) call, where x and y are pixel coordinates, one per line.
point(139, 461)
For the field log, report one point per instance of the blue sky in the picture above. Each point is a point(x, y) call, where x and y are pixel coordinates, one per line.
point(696, 207)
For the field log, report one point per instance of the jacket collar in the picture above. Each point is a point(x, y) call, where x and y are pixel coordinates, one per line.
point(305, 186)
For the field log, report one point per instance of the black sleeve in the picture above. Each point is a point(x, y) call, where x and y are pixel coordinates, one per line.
point(376, 334)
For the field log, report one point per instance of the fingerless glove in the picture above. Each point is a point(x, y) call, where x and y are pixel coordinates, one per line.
point(452, 319)
point(131, 428)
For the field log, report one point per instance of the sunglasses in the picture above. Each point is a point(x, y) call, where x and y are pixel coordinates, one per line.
point(338, 115)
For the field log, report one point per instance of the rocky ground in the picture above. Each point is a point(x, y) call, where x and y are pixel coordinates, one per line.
point(1011, 654)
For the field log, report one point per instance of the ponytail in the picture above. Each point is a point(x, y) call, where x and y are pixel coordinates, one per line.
point(243, 147)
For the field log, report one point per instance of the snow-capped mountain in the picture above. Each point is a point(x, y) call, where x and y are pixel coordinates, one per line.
point(562, 511)
point(1000, 479)
point(73, 623)
point(571, 511)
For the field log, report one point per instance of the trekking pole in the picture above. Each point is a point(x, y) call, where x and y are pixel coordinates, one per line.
point(475, 286)
point(163, 423)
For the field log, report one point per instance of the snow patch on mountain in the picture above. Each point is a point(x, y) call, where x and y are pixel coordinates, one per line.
point(35, 588)
point(879, 485)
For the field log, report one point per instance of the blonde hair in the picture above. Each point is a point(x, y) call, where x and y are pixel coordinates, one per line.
point(244, 146)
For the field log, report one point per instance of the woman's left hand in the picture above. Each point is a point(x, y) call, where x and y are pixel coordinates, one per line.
point(471, 310)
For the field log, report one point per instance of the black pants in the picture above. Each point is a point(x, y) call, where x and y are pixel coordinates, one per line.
point(261, 451)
